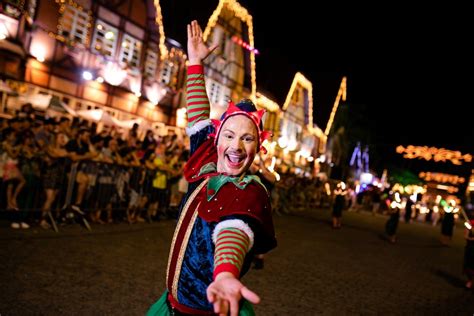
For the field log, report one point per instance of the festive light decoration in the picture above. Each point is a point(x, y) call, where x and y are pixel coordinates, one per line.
point(244, 44)
point(340, 189)
point(114, 74)
point(397, 202)
point(3, 31)
point(87, 75)
point(38, 51)
point(155, 93)
point(441, 177)
point(266, 103)
point(241, 13)
point(448, 188)
point(159, 21)
point(470, 186)
point(437, 154)
point(181, 120)
point(342, 93)
point(301, 80)
point(360, 158)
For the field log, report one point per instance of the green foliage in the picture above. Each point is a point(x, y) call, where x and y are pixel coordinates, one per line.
point(403, 176)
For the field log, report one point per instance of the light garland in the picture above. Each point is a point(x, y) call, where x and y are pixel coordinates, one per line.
point(300, 79)
point(342, 93)
point(433, 153)
point(241, 13)
point(266, 103)
point(441, 177)
point(159, 21)
point(244, 44)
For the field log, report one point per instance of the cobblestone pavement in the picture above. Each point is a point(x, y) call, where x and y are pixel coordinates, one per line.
point(119, 269)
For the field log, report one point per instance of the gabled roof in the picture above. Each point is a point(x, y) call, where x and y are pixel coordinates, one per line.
point(301, 80)
point(241, 13)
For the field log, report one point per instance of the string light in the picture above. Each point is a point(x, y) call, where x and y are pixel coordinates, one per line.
point(241, 13)
point(244, 44)
point(300, 79)
point(441, 177)
point(433, 153)
point(342, 93)
point(161, 30)
point(266, 103)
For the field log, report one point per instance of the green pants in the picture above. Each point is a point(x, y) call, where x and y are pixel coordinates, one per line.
point(160, 308)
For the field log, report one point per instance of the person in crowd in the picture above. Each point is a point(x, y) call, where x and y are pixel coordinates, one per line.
point(80, 150)
point(27, 111)
point(64, 127)
point(447, 223)
point(408, 209)
point(375, 200)
point(469, 253)
point(339, 203)
point(158, 163)
point(55, 164)
point(13, 179)
point(394, 217)
point(227, 214)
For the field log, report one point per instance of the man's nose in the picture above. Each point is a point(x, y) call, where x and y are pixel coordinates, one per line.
point(237, 144)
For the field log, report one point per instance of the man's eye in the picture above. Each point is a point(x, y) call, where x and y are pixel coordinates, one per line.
point(228, 136)
point(249, 139)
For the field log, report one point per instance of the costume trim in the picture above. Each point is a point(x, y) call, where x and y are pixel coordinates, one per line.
point(234, 223)
point(190, 131)
point(183, 220)
point(182, 251)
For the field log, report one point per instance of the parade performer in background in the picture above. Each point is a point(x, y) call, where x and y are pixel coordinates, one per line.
point(392, 223)
point(339, 203)
point(226, 215)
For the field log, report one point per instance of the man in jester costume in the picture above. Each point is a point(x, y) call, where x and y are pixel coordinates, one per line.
point(226, 215)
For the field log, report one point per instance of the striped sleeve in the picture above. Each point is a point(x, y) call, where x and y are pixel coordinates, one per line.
point(197, 102)
point(232, 244)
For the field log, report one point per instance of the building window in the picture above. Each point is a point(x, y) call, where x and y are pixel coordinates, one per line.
point(215, 92)
point(130, 52)
point(74, 24)
point(104, 41)
point(166, 72)
point(151, 64)
point(225, 95)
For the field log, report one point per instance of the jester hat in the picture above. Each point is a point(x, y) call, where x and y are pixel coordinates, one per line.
point(247, 108)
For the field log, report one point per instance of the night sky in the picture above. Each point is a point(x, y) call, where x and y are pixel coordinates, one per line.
point(409, 67)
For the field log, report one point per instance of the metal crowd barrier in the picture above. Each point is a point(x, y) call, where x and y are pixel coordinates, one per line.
point(32, 197)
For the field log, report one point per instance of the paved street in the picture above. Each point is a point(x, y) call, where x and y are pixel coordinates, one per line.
point(119, 269)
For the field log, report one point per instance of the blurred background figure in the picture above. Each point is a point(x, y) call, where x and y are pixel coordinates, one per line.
point(469, 252)
point(447, 223)
point(339, 203)
point(394, 213)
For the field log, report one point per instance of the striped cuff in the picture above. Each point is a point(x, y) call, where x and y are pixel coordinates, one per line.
point(233, 223)
point(232, 244)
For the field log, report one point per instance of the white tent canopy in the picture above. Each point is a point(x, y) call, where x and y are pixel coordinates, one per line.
point(99, 115)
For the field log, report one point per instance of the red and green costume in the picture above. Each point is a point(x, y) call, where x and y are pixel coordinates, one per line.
point(224, 220)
